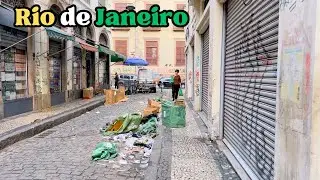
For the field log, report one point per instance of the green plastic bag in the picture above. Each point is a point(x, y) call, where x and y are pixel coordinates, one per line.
point(135, 120)
point(173, 116)
point(180, 92)
point(131, 122)
point(149, 127)
point(104, 150)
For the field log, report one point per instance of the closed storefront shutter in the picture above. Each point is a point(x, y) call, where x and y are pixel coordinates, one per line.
point(205, 100)
point(250, 84)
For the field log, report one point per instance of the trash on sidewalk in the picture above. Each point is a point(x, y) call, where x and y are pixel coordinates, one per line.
point(154, 104)
point(173, 116)
point(105, 150)
point(149, 127)
point(124, 124)
point(88, 93)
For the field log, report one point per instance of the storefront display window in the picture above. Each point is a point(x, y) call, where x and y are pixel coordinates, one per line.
point(55, 75)
point(76, 68)
point(13, 74)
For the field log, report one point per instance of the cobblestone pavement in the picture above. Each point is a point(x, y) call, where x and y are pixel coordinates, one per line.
point(10, 123)
point(64, 152)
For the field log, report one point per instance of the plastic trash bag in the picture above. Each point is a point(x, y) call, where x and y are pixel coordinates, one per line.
point(104, 150)
point(124, 123)
point(173, 116)
point(149, 127)
point(180, 92)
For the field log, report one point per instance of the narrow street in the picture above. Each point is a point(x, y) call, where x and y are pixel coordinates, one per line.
point(64, 152)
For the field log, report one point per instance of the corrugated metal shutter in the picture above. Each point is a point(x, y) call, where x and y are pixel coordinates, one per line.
point(205, 100)
point(9, 36)
point(250, 83)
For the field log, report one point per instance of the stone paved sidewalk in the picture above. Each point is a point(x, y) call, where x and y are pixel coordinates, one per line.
point(187, 154)
point(11, 123)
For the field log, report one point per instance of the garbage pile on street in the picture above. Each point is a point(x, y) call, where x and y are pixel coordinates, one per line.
point(129, 139)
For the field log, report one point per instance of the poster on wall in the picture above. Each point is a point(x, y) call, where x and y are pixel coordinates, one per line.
point(55, 75)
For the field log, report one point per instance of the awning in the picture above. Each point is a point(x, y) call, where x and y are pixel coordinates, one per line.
point(7, 18)
point(82, 44)
point(57, 33)
point(115, 57)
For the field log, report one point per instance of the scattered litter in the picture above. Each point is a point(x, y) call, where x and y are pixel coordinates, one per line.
point(123, 162)
point(115, 166)
point(144, 165)
point(136, 161)
point(144, 160)
point(104, 150)
point(130, 142)
point(87, 112)
point(131, 157)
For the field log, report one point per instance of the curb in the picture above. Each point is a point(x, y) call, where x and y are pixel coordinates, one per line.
point(152, 170)
point(27, 131)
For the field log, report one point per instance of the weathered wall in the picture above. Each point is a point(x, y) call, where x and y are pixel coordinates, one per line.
point(297, 151)
point(216, 18)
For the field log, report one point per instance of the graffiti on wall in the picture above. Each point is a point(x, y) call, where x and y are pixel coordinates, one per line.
point(197, 79)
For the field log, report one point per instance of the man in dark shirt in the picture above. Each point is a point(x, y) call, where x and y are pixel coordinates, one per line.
point(176, 85)
point(116, 81)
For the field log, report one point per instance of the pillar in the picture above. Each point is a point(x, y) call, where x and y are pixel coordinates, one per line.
point(69, 68)
point(297, 151)
point(42, 97)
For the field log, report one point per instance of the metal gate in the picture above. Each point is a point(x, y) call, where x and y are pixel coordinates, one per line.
point(55, 66)
point(205, 100)
point(250, 84)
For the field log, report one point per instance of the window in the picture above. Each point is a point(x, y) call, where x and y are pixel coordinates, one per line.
point(152, 52)
point(179, 7)
point(120, 7)
point(121, 47)
point(180, 58)
point(13, 73)
point(148, 6)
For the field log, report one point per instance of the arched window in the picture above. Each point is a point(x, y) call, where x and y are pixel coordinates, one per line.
point(56, 11)
point(77, 31)
point(103, 40)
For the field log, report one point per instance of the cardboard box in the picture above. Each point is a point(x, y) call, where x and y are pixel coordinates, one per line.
point(180, 102)
point(154, 104)
point(88, 93)
point(109, 96)
point(149, 110)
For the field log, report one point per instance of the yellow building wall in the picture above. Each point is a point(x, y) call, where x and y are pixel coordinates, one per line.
point(166, 38)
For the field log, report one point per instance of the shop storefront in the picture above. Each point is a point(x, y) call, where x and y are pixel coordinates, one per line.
point(13, 65)
point(250, 84)
point(205, 99)
point(90, 60)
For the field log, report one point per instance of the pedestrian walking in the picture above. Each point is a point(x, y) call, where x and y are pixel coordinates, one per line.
point(176, 85)
point(116, 81)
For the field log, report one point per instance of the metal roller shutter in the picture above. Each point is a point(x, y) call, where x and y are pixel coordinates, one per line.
point(9, 36)
point(76, 68)
point(250, 83)
point(205, 100)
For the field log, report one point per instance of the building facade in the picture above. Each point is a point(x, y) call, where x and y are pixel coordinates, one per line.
point(42, 67)
point(163, 48)
point(251, 68)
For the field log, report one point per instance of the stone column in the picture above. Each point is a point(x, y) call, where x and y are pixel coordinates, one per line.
point(68, 68)
point(197, 71)
point(297, 151)
point(41, 65)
